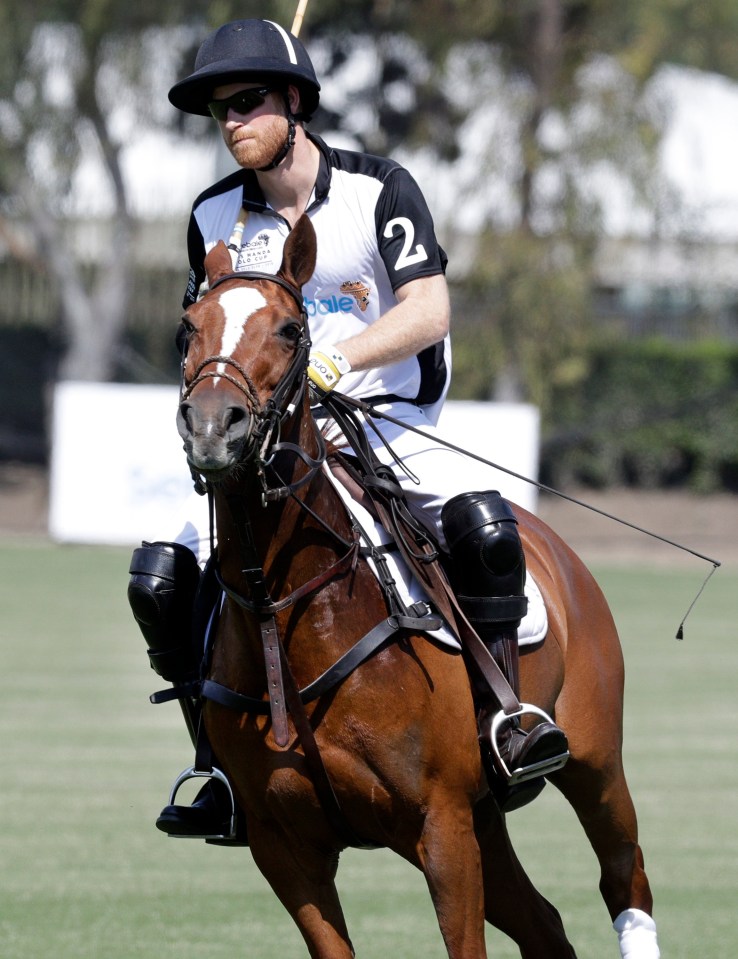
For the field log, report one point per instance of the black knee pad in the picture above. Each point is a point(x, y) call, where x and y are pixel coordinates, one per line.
point(482, 536)
point(486, 552)
point(161, 592)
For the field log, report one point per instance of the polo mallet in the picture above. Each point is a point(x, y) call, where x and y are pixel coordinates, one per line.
point(299, 14)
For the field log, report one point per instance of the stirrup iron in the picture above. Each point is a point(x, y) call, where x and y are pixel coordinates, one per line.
point(522, 773)
point(192, 773)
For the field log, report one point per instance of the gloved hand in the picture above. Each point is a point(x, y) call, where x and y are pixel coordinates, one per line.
point(326, 367)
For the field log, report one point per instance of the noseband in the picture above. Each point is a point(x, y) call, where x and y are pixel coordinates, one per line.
point(265, 437)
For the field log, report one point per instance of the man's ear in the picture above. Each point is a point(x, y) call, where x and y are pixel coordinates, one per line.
point(293, 97)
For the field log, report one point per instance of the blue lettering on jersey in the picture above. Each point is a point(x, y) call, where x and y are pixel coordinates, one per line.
point(329, 304)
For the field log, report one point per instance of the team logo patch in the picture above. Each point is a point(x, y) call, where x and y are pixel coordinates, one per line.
point(254, 253)
point(359, 291)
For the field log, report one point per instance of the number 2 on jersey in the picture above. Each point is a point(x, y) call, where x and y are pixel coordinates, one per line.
point(406, 258)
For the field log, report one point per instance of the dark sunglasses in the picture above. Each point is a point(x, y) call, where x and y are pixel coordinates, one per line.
point(242, 102)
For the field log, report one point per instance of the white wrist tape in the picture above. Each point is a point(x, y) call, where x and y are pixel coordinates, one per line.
point(326, 367)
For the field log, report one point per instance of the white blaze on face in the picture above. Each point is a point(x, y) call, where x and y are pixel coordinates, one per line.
point(237, 305)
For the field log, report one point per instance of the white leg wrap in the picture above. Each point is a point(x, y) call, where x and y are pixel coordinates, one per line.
point(636, 935)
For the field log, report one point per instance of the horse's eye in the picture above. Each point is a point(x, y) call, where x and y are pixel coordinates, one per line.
point(185, 332)
point(291, 332)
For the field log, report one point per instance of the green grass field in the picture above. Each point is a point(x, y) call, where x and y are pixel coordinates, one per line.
point(87, 763)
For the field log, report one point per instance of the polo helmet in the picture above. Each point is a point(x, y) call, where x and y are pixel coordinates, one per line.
point(250, 50)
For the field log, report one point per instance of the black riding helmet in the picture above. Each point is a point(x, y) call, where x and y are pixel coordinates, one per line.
point(247, 50)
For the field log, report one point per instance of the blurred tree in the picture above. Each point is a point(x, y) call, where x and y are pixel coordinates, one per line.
point(576, 71)
point(570, 76)
point(80, 79)
point(573, 113)
point(87, 77)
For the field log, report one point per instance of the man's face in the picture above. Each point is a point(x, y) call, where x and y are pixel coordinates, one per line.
point(253, 138)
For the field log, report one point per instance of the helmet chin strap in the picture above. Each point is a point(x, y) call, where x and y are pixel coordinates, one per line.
point(288, 143)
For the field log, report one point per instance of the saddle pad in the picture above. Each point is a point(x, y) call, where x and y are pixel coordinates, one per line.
point(532, 629)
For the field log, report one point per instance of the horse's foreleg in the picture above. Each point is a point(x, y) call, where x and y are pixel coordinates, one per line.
point(448, 855)
point(303, 880)
point(511, 902)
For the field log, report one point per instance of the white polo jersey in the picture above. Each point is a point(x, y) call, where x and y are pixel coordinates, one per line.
point(374, 232)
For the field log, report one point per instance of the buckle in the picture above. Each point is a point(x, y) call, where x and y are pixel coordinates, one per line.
point(214, 773)
point(522, 774)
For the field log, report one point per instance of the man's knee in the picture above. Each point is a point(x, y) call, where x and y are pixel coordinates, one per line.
point(161, 593)
point(482, 536)
point(488, 565)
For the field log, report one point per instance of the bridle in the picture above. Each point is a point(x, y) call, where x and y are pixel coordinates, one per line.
point(264, 442)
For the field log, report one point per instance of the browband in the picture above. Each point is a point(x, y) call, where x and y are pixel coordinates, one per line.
point(272, 277)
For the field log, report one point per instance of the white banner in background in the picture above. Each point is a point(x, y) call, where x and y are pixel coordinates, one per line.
point(118, 470)
point(119, 474)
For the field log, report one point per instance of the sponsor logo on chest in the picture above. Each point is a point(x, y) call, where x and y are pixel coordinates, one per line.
point(256, 254)
point(359, 291)
point(351, 294)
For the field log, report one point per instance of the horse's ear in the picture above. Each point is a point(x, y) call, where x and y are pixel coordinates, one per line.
point(218, 262)
point(300, 250)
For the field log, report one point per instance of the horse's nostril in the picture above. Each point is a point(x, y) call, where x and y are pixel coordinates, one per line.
point(184, 413)
point(236, 417)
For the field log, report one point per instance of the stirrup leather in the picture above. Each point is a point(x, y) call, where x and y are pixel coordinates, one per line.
point(522, 773)
point(193, 773)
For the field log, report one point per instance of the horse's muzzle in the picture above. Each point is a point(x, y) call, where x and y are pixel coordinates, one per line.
point(216, 434)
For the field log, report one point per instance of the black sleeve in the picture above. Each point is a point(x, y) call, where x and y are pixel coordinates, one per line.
point(196, 254)
point(405, 232)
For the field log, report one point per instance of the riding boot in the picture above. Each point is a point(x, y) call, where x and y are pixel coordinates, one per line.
point(209, 817)
point(165, 579)
point(518, 758)
point(488, 574)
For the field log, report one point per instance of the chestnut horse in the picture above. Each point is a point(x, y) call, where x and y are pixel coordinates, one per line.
point(397, 737)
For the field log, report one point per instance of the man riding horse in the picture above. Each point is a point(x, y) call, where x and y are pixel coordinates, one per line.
point(379, 318)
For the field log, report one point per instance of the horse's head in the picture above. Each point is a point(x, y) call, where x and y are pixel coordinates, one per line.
point(246, 344)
